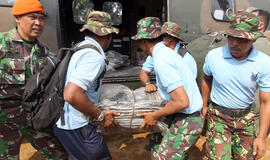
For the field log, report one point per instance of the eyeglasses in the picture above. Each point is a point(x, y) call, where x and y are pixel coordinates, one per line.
point(36, 17)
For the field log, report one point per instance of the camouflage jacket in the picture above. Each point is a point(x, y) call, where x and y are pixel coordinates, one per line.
point(18, 61)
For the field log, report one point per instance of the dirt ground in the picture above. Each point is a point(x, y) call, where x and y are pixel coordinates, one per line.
point(129, 146)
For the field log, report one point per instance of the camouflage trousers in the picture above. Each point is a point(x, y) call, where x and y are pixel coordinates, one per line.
point(13, 128)
point(229, 137)
point(183, 133)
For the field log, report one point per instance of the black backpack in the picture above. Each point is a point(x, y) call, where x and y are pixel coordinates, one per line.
point(43, 94)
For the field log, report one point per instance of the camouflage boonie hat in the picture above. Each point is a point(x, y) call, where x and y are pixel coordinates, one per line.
point(99, 23)
point(171, 29)
point(148, 28)
point(244, 25)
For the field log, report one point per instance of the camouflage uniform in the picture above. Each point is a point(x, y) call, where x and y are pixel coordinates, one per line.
point(19, 60)
point(183, 133)
point(223, 130)
point(202, 45)
point(230, 132)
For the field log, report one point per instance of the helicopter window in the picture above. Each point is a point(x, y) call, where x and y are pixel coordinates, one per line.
point(81, 10)
point(115, 10)
point(222, 10)
point(7, 2)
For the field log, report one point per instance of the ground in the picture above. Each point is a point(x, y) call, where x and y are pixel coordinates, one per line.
point(129, 145)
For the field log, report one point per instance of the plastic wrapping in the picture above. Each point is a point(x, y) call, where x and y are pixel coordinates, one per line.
point(129, 103)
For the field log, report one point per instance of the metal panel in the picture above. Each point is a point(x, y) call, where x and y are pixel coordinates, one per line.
point(7, 20)
point(49, 35)
point(186, 13)
point(263, 4)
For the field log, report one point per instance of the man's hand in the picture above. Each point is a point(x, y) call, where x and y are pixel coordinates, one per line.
point(150, 88)
point(149, 120)
point(109, 120)
point(259, 147)
point(204, 111)
point(206, 86)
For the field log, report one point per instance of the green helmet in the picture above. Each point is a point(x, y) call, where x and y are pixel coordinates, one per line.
point(171, 29)
point(148, 28)
point(99, 23)
point(244, 25)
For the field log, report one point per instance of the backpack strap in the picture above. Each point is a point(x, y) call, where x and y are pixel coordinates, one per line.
point(76, 48)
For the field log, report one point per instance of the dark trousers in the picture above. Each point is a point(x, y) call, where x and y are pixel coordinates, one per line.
point(83, 143)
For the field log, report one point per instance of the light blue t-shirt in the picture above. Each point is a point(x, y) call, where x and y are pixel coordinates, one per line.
point(235, 82)
point(84, 68)
point(188, 59)
point(171, 73)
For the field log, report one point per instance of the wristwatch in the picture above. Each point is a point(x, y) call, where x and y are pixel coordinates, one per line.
point(148, 82)
point(101, 116)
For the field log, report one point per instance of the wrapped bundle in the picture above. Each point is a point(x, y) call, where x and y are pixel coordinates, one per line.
point(129, 103)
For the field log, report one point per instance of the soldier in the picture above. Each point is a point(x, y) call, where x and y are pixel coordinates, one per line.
point(202, 45)
point(262, 43)
point(82, 91)
point(231, 74)
point(171, 40)
point(21, 54)
point(178, 86)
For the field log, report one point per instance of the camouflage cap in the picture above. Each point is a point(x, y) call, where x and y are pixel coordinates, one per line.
point(148, 28)
point(244, 25)
point(171, 29)
point(99, 23)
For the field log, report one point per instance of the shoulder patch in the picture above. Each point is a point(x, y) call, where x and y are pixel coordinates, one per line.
point(182, 50)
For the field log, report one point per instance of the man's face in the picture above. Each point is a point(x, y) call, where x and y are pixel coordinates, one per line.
point(30, 26)
point(109, 40)
point(167, 40)
point(143, 46)
point(170, 41)
point(239, 47)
